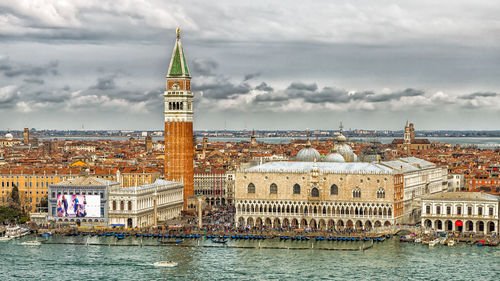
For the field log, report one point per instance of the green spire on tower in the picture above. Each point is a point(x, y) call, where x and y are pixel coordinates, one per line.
point(178, 64)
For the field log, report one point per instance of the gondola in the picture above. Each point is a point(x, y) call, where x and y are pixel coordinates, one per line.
point(170, 241)
point(219, 240)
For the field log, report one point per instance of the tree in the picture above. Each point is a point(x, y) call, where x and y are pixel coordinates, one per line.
point(14, 195)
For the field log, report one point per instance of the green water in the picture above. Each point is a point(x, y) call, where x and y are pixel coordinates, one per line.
point(389, 260)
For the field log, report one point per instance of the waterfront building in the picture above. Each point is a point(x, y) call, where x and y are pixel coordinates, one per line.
point(334, 194)
point(179, 149)
point(82, 200)
point(323, 195)
point(420, 178)
point(409, 142)
point(462, 212)
point(145, 205)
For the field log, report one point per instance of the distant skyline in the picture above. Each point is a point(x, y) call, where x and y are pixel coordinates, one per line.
point(255, 64)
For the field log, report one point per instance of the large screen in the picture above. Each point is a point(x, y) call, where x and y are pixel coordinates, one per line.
point(78, 206)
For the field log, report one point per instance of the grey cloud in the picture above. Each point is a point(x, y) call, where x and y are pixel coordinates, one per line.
point(264, 87)
point(104, 83)
point(203, 67)
point(8, 96)
point(478, 95)
point(221, 88)
point(251, 76)
point(394, 96)
point(302, 87)
point(10, 69)
point(34, 81)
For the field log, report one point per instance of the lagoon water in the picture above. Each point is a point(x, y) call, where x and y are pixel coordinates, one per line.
point(389, 260)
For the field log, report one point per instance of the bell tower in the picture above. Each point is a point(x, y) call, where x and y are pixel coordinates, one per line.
point(179, 149)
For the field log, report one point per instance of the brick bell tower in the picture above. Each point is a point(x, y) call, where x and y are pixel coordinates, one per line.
point(179, 149)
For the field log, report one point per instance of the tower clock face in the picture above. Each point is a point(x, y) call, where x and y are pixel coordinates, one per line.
point(175, 86)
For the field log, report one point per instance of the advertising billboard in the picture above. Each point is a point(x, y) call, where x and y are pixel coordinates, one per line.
point(78, 206)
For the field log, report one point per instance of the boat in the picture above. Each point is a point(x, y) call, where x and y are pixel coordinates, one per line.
point(442, 240)
point(170, 241)
point(219, 240)
point(165, 264)
point(451, 242)
point(16, 232)
point(31, 243)
point(433, 243)
point(418, 240)
point(5, 238)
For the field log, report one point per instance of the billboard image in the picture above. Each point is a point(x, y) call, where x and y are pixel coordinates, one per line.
point(78, 206)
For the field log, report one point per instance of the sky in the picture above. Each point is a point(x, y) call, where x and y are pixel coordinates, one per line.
point(96, 64)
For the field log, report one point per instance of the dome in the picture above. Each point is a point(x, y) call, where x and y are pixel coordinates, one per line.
point(308, 154)
point(341, 137)
point(334, 156)
point(9, 136)
point(345, 150)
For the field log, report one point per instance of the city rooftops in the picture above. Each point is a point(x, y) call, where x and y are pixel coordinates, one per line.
point(465, 196)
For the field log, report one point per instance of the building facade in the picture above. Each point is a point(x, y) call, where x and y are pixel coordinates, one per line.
point(216, 186)
point(179, 149)
point(461, 212)
point(82, 200)
point(323, 195)
point(328, 195)
point(145, 205)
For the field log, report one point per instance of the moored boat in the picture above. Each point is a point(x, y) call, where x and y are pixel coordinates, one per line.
point(165, 264)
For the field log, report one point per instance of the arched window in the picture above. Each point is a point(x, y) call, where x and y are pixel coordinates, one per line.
point(251, 188)
point(356, 193)
point(314, 192)
point(273, 189)
point(334, 189)
point(296, 188)
point(381, 193)
point(114, 205)
point(129, 205)
point(122, 205)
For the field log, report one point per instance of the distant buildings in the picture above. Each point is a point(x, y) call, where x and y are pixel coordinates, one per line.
point(215, 185)
point(409, 142)
point(461, 212)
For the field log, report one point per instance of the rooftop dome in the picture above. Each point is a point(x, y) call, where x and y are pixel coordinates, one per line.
point(308, 154)
point(345, 150)
point(334, 156)
point(9, 136)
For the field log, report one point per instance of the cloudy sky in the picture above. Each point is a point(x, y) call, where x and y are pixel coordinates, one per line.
point(255, 64)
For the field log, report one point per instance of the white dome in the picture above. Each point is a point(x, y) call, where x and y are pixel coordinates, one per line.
point(9, 136)
point(345, 150)
point(341, 137)
point(308, 154)
point(334, 157)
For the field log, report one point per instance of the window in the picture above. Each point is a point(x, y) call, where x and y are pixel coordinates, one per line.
point(459, 210)
point(381, 193)
point(314, 192)
point(129, 205)
point(251, 188)
point(448, 210)
point(273, 189)
point(480, 211)
point(334, 189)
point(296, 188)
point(427, 209)
point(438, 210)
point(114, 205)
point(469, 210)
point(122, 205)
point(356, 193)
